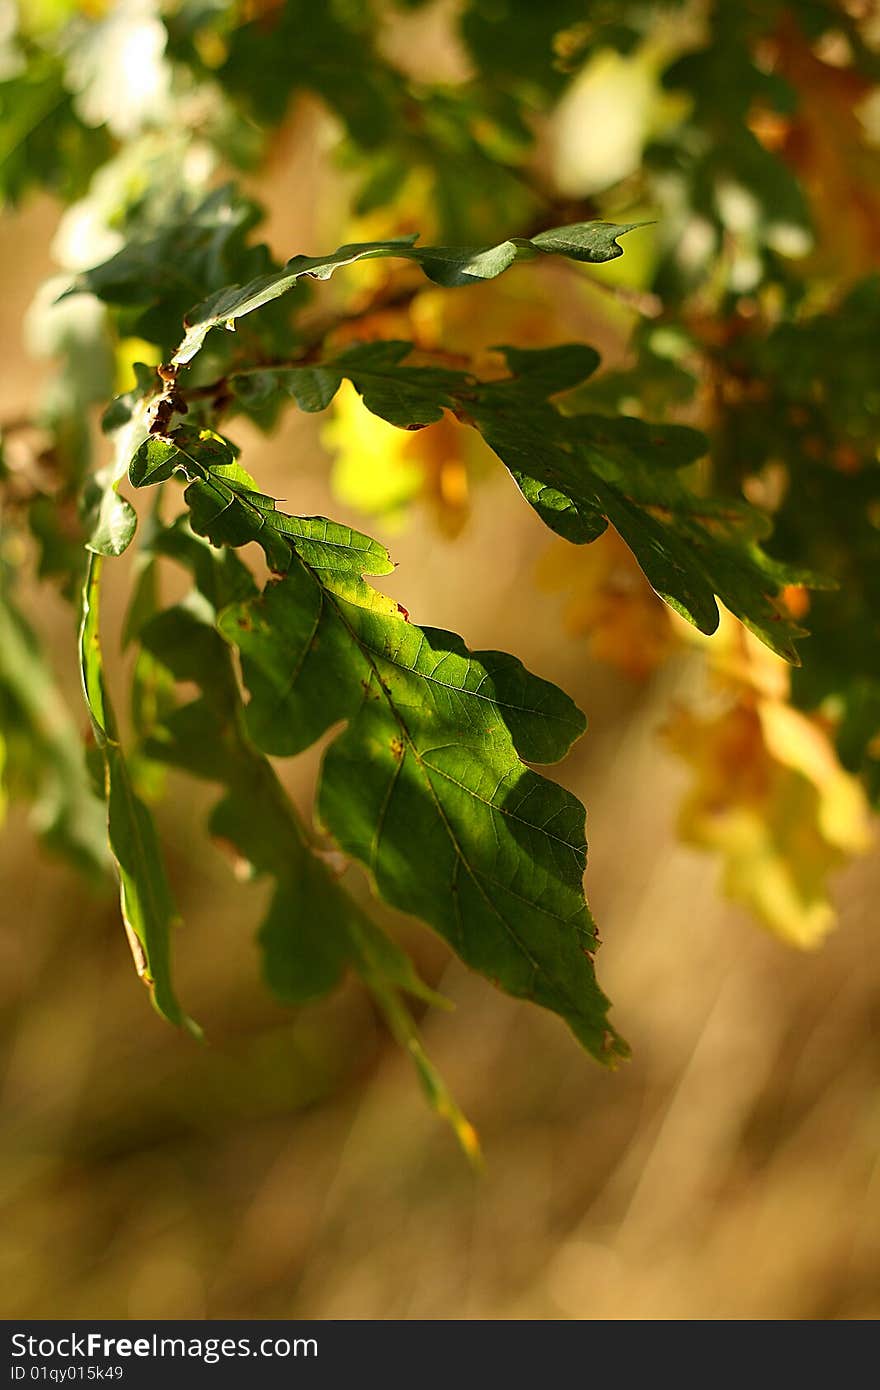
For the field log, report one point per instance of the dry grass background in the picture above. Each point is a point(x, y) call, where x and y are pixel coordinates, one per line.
point(290, 1168)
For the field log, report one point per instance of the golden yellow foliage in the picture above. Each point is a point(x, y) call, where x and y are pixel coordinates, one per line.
point(769, 793)
point(381, 469)
point(129, 351)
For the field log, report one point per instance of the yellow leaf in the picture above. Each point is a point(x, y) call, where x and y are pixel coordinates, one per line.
point(800, 743)
point(382, 469)
point(129, 351)
point(769, 793)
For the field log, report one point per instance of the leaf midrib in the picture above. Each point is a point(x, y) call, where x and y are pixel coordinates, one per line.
point(535, 966)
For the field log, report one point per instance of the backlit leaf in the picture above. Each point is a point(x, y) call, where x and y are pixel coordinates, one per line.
point(448, 266)
point(313, 929)
point(147, 906)
point(426, 786)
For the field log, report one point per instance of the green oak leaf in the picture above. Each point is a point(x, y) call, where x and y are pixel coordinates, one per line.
point(406, 396)
point(110, 519)
point(187, 245)
point(227, 508)
point(451, 824)
point(427, 785)
point(581, 472)
point(449, 266)
point(313, 929)
point(113, 518)
point(148, 909)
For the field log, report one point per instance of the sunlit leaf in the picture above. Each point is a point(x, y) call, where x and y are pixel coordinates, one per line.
point(147, 906)
point(449, 266)
point(313, 929)
point(426, 786)
point(580, 472)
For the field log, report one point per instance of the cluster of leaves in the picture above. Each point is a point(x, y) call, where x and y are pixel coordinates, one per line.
point(768, 184)
point(803, 407)
point(429, 781)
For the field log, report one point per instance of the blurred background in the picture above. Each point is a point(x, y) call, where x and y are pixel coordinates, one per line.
point(289, 1167)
